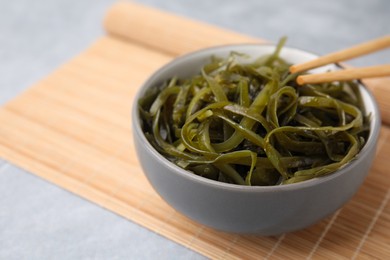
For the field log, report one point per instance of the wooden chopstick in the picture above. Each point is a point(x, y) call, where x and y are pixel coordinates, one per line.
point(346, 74)
point(346, 54)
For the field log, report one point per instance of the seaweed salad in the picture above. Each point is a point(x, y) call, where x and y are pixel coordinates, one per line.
point(250, 123)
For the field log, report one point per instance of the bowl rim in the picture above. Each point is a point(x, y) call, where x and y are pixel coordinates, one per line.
point(375, 126)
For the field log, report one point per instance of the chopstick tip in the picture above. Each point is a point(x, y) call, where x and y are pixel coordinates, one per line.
point(300, 80)
point(293, 69)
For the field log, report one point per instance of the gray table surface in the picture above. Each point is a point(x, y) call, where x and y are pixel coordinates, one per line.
point(39, 220)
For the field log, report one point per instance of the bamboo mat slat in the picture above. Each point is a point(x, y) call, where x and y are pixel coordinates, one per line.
point(73, 129)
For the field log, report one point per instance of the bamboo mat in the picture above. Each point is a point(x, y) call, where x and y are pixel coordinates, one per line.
point(73, 129)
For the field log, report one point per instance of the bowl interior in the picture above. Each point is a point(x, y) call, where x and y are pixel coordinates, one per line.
point(191, 64)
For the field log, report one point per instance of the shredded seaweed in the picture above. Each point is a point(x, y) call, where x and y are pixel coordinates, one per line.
point(251, 124)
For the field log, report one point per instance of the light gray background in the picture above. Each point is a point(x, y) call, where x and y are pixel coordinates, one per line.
point(41, 221)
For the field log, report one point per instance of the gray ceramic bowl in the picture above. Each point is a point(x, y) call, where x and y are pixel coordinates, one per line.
point(261, 210)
